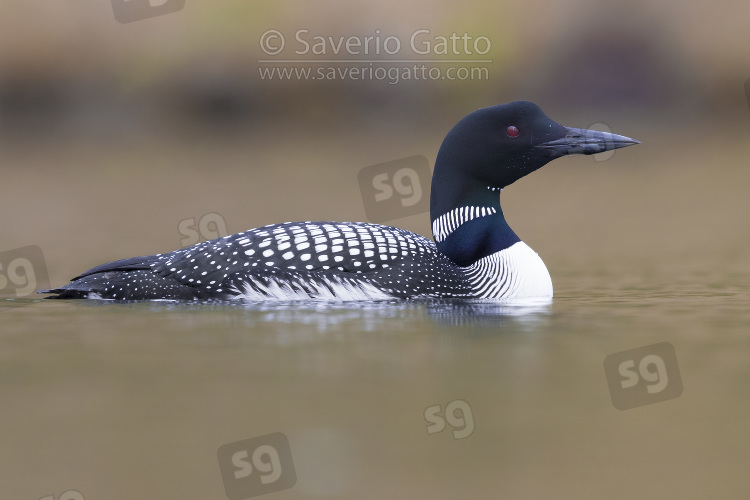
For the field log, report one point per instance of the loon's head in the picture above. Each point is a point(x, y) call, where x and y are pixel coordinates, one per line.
point(500, 144)
point(486, 151)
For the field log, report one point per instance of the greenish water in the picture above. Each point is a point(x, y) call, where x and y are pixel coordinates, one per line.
point(134, 400)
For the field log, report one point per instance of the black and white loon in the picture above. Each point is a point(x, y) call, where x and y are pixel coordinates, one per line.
point(475, 254)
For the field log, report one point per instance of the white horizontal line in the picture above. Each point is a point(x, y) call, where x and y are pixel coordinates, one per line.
point(381, 61)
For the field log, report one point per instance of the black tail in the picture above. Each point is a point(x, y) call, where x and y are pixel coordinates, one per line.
point(127, 279)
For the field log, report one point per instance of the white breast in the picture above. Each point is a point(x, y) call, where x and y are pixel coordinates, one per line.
point(514, 273)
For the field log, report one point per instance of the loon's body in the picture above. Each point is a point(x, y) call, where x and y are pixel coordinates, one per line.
point(475, 254)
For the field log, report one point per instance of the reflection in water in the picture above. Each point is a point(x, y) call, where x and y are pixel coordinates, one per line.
point(325, 315)
point(488, 314)
point(300, 319)
point(305, 321)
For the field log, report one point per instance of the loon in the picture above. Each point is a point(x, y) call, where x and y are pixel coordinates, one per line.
point(475, 254)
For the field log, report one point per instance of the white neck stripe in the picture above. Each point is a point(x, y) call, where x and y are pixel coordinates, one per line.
point(444, 225)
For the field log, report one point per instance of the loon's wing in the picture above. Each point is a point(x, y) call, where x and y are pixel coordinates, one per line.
point(290, 260)
point(318, 260)
point(347, 247)
point(131, 264)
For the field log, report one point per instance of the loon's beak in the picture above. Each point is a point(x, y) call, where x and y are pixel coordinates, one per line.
point(581, 141)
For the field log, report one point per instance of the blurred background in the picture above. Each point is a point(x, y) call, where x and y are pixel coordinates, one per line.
point(116, 136)
point(111, 134)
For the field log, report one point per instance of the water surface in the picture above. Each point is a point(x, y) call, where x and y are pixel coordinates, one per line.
point(134, 400)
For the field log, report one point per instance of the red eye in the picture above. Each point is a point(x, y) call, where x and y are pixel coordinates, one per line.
point(512, 131)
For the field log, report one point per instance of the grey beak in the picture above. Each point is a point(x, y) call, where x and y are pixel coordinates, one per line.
point(580, 141)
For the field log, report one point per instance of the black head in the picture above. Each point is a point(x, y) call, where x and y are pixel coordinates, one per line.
point(498, 145)
point(486, 151)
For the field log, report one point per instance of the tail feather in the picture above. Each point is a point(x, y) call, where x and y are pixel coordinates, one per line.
point(136, 284)
point(131, 264)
